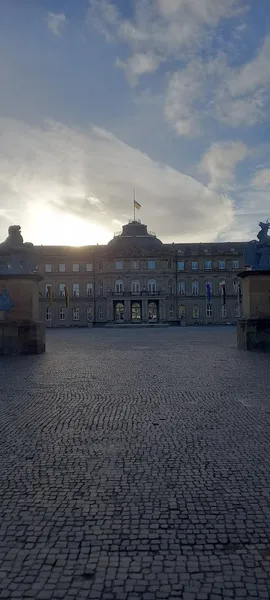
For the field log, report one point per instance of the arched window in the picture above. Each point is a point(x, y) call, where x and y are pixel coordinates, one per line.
point(196, 312)
point(171, 311)
point(119, 286)
point(152, 286)
point(119, 312)
point(101, 288)
point(236, 311)
point(181, 288)
point(135, 287)
point(195, 288)
point(152, 311)
point(170, 287)
point(235, 286)
point(48, 314)
point(181, 311)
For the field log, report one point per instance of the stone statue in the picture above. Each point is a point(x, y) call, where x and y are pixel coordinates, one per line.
point(257, 254)
point(17, 257)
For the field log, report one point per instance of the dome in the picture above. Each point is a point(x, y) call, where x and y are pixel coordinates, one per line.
point(135, 235)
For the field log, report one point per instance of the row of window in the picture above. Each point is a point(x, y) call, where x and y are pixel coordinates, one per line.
point(196, 312)
point(136, 288)
point(151, 264)
point(75, 313)
point(207, 287)
point(208, 265)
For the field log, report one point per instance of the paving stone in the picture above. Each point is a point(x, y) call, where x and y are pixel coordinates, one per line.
point(135, 466)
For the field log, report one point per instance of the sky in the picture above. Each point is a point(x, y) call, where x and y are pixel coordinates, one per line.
point(170, 97)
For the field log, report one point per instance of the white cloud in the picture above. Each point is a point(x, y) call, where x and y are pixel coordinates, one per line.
point(162, 27)
point(138, 64)
point(56, 173)
point(220, 162)
point(56, 22)
point(236, 96)
point(261, 179)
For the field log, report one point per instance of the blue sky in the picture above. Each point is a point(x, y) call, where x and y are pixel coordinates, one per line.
point(168, 96)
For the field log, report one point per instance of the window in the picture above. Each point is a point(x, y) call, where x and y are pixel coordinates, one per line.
point(171, 311)
point(195, 288)
point(208, 265)
point(196, 312)
point(221, 264)
point(119, 265)
point(181, 265)
point(235, 286)
point(62, 290)
point(235, 264)
point(119, 312)
point(76, 290)
point(181, 288)
point(181, 311)
point(209, 285)
point(195, 265)
point(119, 286)
point(135, 286)
point(62, 314)
point(48, 314)
point(169, 264)
point(76, 314)
point(209, 310)
point(236, 311)
point(152, 287)
point(100, 266)
point(48, 290)
point(100, 312)
point(89, 289)
point(89, 267)
point(75, 267)
point(135, 264)
point(151, 264)
point(89, 313)
point(48, 268)
point(101, 289)
point(170, 288)
point(223, 311)
point(62, 267)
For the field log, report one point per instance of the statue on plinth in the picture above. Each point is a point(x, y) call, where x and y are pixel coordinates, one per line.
point(16, 256)
point(257, 254)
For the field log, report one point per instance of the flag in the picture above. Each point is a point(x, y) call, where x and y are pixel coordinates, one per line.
point(137, 205)
point(208, 291)
point(67, 296)
point(223, 293)
point(50, 290)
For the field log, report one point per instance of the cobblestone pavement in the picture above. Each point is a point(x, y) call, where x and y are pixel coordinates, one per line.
point(135, 465)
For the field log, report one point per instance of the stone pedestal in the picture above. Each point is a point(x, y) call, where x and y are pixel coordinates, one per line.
point(253, 329)
point(21, 332)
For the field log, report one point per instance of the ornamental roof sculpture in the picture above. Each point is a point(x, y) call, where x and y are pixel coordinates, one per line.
point(16, 256)
point(257, 253)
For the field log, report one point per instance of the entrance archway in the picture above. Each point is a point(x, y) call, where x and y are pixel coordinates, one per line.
point(152, 312)
point(136, 312)
point(119, 312)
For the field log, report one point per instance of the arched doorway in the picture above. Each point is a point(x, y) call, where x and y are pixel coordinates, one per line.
point(152, 312)
point(119, 312)
point(136, 312)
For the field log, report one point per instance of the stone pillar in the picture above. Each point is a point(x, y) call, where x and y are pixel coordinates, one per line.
point(253, 329)
point(21, 332)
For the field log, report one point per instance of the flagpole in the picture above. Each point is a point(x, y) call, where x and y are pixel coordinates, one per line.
point(134, 208)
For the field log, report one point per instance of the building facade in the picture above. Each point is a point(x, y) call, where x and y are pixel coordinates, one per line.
point(136, 278)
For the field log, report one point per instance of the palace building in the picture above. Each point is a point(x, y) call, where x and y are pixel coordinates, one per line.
point(136, 278)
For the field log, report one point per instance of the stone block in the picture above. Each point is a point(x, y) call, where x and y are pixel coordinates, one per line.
point(253, 334)
point(22, 337)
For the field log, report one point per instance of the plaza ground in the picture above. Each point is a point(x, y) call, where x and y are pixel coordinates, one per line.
point(135, 465)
